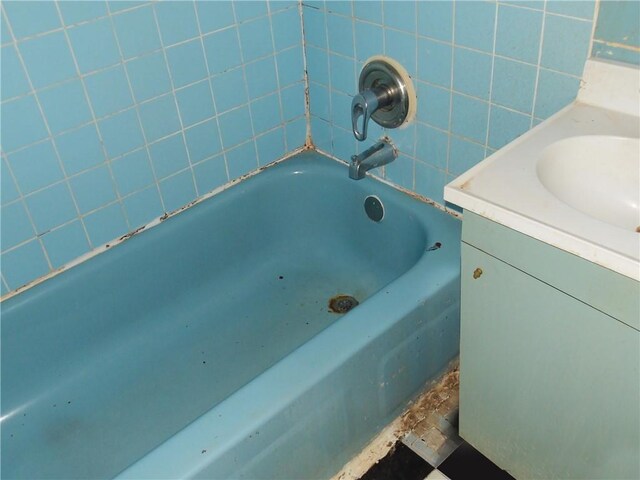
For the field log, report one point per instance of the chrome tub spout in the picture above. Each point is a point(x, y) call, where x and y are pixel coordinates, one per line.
point(378, 155)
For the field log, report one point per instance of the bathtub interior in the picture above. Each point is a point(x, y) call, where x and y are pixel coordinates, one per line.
point(109, 359)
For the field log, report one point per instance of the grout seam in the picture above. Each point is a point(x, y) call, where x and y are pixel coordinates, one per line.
point(139, 119)
point(106, 161)
point(538, 66)
point(175, 98)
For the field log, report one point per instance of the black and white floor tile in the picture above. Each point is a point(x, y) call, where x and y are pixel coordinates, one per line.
point(464, 463)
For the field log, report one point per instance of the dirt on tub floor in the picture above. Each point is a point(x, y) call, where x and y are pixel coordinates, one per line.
point(428, 426)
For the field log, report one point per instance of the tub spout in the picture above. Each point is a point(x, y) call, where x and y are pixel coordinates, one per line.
point(378, 155)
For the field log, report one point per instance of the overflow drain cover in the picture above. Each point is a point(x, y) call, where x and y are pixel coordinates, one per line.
point(342, 303)
point(374, 208)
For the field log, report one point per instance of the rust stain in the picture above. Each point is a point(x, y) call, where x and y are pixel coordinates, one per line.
point(132, 233)
point(465, 185)
point(428, 403)
point(624, 46)
point(439, 400)
point(342, 303)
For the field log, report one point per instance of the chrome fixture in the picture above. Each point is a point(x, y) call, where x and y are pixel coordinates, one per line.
point(384, 95)
point(378, 155)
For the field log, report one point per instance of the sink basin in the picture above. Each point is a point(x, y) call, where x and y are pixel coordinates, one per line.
point(598, 175)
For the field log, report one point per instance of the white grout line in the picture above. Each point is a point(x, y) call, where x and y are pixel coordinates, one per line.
point(38, 236)
point(246, 84)
point(141, 56)
point(493, 62)
point(538, 66)
point(175, 99)
point(137, 112)
point(85, 92)
point(383, 170)
point(136, 150)
point(415, 87)
point(14, 247)
point(512, 4)
point(354, 63)
point(594, 20)
point(278, 86)
point(330, 86)
point(153, 223)
point(307, 100)
point(102, 17)
point(327, 52)
point(453, 38)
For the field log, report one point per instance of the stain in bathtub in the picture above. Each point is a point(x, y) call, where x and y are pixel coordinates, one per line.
point(132, 233)
point(435, 246)
point(342, 303)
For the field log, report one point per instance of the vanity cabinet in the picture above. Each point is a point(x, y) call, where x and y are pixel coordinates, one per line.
point(549, 358)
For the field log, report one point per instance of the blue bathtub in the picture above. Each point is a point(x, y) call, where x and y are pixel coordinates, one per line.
point(205, 348)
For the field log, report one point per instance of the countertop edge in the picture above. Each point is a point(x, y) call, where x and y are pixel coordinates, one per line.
point(599, 255)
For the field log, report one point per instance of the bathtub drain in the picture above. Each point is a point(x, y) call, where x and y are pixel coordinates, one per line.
point(342, 303)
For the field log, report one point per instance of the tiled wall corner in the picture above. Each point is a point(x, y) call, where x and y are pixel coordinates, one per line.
point(485, 72)
point(115, 112)
point(617, 34)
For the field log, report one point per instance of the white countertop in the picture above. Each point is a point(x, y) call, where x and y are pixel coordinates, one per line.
point(505, 187)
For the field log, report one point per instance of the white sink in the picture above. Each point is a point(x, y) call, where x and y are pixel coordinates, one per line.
point(599, 175)
point(573, 181)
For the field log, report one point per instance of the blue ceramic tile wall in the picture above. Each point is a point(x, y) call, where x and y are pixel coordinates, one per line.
point(617, 35)
point(485, 72)
point(115, 112)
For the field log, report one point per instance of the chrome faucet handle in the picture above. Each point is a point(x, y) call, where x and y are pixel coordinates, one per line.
point(363, 105)
point(385, 95)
